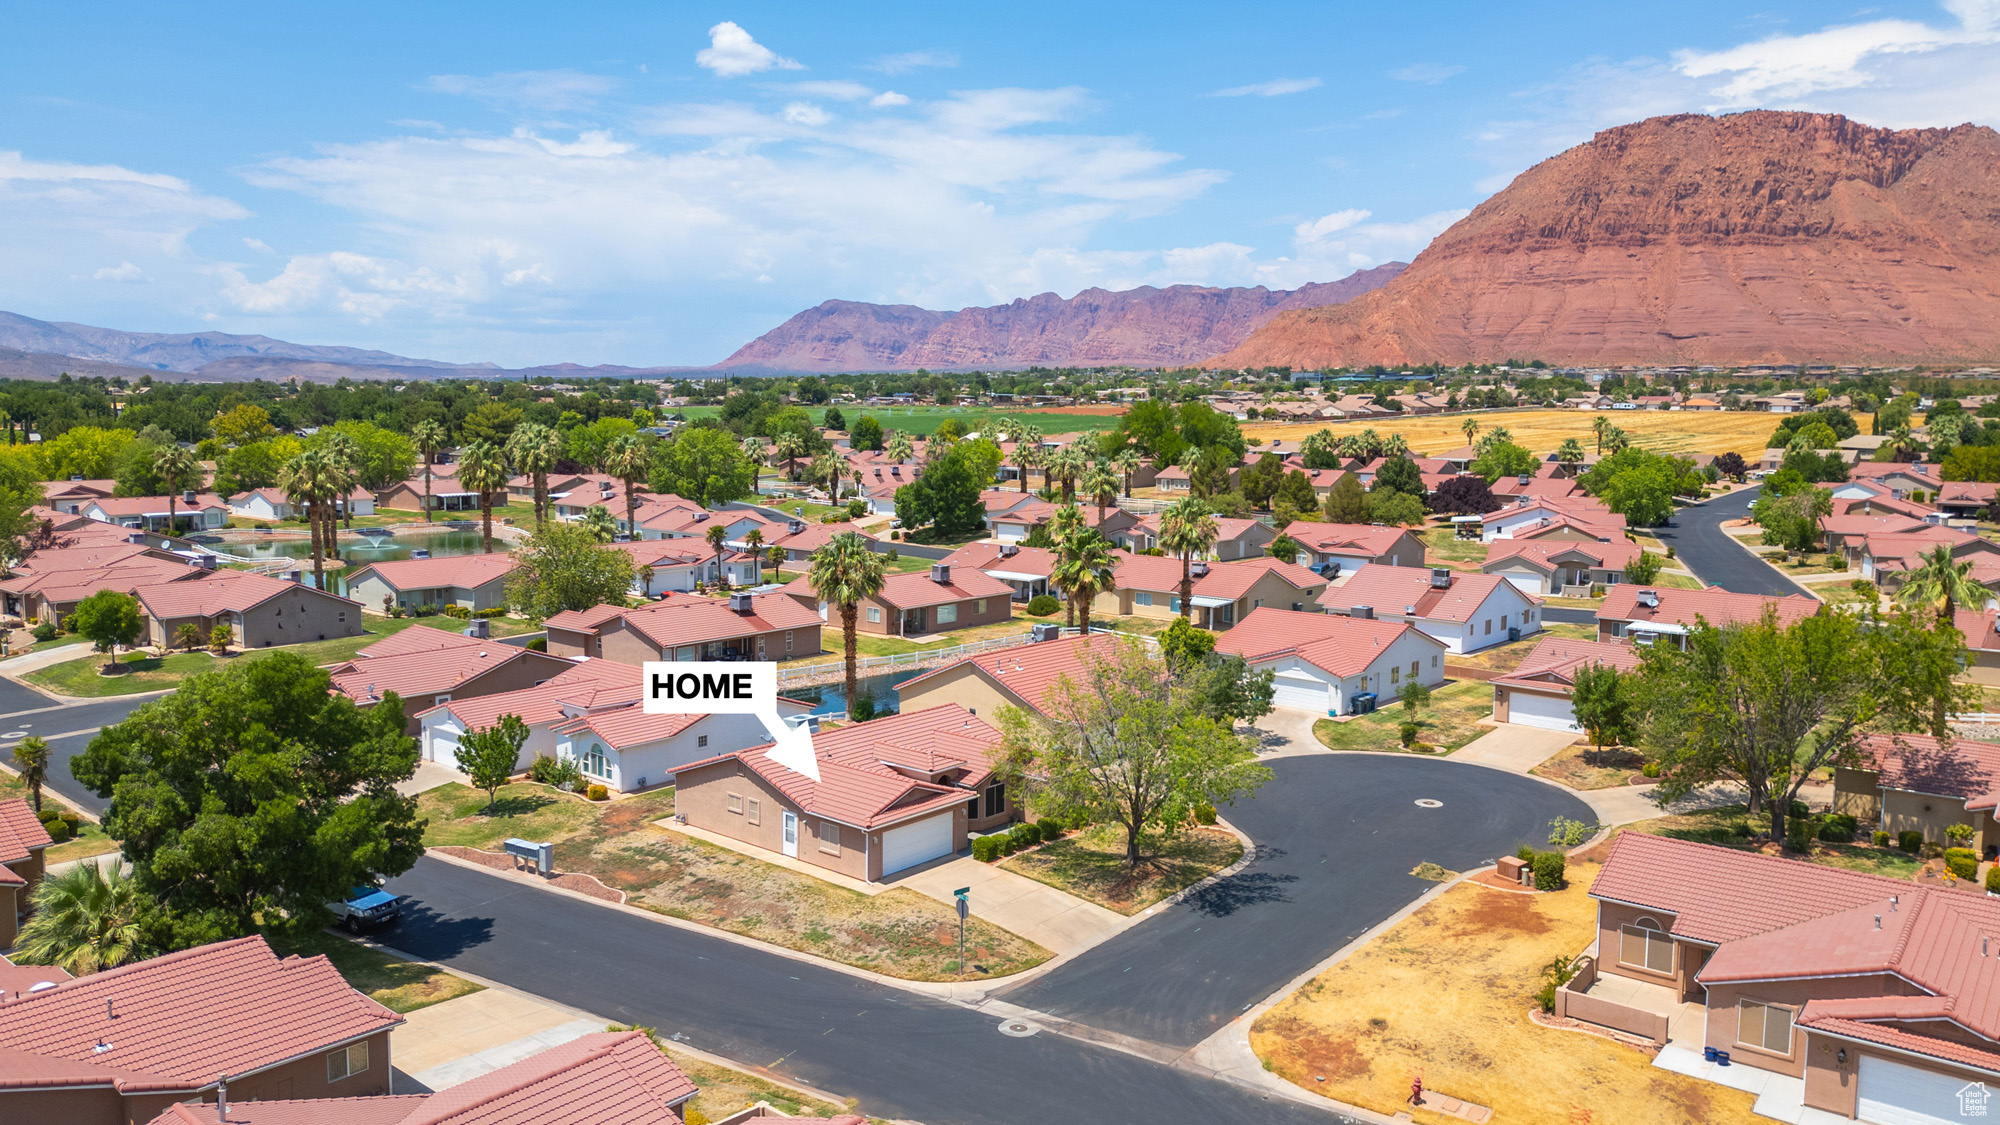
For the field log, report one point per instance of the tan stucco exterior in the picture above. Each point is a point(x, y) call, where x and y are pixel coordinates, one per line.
point(882, 619)
point(1268, 590)
point(963, 684)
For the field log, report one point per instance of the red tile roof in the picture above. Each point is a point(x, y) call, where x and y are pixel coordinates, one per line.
point(1362, 538)
point(1344, 646)
point(116, 507)
point(695, 620)
point(21, 978)
point(1812, 1016)
point(179, 1020)
point(419, 638)
point(1921, 764)
point(591, 683)
point(815, 536)
point(916, 589)
point(220, 591)
point(1543, 553)
point(1408, 589)
point(1981, 627)
point(1903, 550)
point(1717, 606)
point(1554, 662)
point(416, 675)
point(1027, 672)
point(988, 557)
point(463, 571)
point(21, 832)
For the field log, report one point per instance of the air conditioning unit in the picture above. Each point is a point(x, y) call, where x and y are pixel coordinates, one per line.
point(1649, 598)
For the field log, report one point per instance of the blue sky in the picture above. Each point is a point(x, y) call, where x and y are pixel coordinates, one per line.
point(657, 184)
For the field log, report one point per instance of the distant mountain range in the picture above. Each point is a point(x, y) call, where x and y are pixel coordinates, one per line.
point(1145, 327)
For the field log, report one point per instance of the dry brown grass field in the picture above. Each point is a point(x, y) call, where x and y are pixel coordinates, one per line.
point(1662, 431)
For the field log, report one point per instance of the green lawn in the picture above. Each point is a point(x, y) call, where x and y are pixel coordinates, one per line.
point(1448, 723)
point(1091, 865)
point(398, 985)
point(148, 673)
point(1443, 544)
point(458, 814)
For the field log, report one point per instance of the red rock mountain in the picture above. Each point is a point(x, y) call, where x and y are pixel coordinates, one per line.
point(1183, 324)
point(1755, 237)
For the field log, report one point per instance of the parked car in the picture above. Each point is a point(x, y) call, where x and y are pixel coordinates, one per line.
point(366, 907)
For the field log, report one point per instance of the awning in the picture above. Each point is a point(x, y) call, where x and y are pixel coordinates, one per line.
point(1207, 602)
point(1016, 576)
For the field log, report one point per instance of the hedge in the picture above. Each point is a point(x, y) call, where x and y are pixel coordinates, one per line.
point(986, 849)
point(1910, 840)
point(1963, 863)
point(1042, 605)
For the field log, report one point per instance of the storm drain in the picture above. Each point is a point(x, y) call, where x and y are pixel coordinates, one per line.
point(1429, 803)
point(1019, 1029)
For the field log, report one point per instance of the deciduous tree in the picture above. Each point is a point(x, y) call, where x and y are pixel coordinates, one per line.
point(563, 567)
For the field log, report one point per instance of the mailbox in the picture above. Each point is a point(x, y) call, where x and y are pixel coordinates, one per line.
point(543, 856)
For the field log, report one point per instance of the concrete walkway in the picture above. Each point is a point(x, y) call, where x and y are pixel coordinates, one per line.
point(467, 1036)
point(1058, 922)
point(45, 656)
point(1513, 747)
point(429, 776)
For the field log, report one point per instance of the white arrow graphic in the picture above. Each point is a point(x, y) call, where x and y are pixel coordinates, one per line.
point(706, 687)
point(793, 744)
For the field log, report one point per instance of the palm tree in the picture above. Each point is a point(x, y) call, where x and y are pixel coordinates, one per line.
point(1100, 483)
point(1084, 568)
point(1493, 437)
point(1942, 581)
point(790, 446)
point(310, 481)
point(827, 469)
point(753, 451)
point(1395, 446)
point(533, 448)
point(629, 459)
point(1469, 427)
point(430, 437)
point(718, 540)
point(31, 754)
point(1601, 426)
point(843, 573)
point(1186, 529)
point(483, 469)
point(753, 544)
point(86, 920)
point(1127, 463)
point(344, 459)
point(177, 469)
point(1027, 452)
point(1349, 446)
point(1066, 465)
point(1570, 452)
point(598, 520)
point(776, 557)
point(1617, 440)
point(1370, 444)
point(899, 447)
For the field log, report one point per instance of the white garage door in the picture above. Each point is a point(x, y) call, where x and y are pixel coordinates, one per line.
point(444, 749)
point(912, 844)
point(1301, 690)
point(1526, 583)
point(1895, 1094)
point(1551, 712)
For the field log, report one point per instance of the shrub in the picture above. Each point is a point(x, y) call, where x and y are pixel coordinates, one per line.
point(1863, 587)
point(598, 793)
point(491, 612)
point(556, 772)
point(45, 632)
point(1799, 833)
point(1670, 552)
point(1720, 834)
point(1650, 769)
point(1569, 833)
point(1881, 839)
point(1408, 732)
point(396, 612)
point(1837, 828)
point(1959, 835)
point(1742, 830)
point(1836, 562)
point(538, 644)
point(986, 849)
point(1010, 843)
point(58, 830)
point(1043, 605)
point(1548, 868)
point(219, 638)
point(1545, 998)
point(48, 813)
point(1963, 863)
point(1993, 880)
point(1204, 814)
point(1797, 809)
point(1910, 840)
point(892, 554)
point(862, 709)
point(458, 611)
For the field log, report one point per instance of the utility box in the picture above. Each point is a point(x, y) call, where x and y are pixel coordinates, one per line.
point(1513, 868)
point(543, 856)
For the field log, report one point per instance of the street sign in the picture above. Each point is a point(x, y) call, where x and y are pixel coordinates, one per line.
point(961, 910)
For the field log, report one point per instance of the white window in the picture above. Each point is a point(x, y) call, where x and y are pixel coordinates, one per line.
point(441, 700)
point(1143, 597)
point(594, 762)
point(829, 837)
point(788, 640)
point(874, 615)
point(1644, 945)
point(947, 613)
point(979, 607)
point(756, 814)
point(736, 803)
point(347, 1062)
point(1764, 1025)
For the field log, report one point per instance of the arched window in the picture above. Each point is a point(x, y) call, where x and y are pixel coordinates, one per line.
point(1644, 945)
point(594, 762)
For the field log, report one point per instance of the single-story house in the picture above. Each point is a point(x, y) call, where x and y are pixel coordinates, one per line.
point(1027, 570)
point(625, 748)
point(1011, 677)
point(1915, 783)
point(1234, 538)
point(541, 707)
point(1981, 629)
point(800, 539)
point(1223, 592)
point(1538, 691)
point(1888, 559)
point(770, 626)
point(23, 841)
point(125, 1044)
point(1642, 614)
point(260, 611)
point(919, 602)
point(425, 667)
point(1532, 513)
point(875, 798)
point(1966, 499)
point(1019, 523)
point(664, 566)
point(198, 509)
point(1847, 535)
point(261, 504)
point(447, 495)
point(1349, 545)
point(1321, 662)
point(1545, 566)
point(1869, 996)
point(48, 583)
point(1464, 612)
point(473, 581)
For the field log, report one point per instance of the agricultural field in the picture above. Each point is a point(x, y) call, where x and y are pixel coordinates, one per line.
point(1662, 431)
point(924, 420)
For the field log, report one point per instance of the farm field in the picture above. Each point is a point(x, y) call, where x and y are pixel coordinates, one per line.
point(1662, 431)
point(923, 420)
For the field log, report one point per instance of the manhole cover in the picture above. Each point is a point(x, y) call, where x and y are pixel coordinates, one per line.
point(1019, 1029)
point(1429, 803)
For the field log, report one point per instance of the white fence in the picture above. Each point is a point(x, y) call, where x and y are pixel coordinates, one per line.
point(1977, 718)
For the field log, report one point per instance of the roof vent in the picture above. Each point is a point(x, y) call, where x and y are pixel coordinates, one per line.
point(1648, 598)
point(1878, 921)
point(700, 517)
point(741, 603)
point(136, 537)
point(207, 562)
point(941, 573)
point(1894, 901)
point(1440, 578)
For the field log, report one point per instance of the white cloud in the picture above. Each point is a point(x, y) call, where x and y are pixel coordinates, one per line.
point(840, 90)
point(1328, 224)
point(259, 245)
point(1834, 58)
point(536, 89)
point(888, 98)
point(732, 53)
point(123, 271)
point(1426, 73)
point(806, 114)
point(1271, 89)
point(908, 61)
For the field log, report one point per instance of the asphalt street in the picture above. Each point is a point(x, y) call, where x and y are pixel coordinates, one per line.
point(903, 1055)
point(1336, 836)
point(68, 728)
point(1702, 546)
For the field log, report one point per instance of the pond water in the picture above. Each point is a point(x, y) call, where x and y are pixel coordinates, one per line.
point(829, 698)
point(357, 549)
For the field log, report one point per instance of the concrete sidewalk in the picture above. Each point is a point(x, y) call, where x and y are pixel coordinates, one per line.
point(467, 1036)
point(429, 776)
point(44, 656)
point(1514, 748)
point(1058, 922)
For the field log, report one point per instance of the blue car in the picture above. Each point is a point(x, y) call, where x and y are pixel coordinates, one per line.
point(366, 907)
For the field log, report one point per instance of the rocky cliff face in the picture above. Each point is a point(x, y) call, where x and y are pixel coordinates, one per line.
point(1179, 325)
point(1756, 237)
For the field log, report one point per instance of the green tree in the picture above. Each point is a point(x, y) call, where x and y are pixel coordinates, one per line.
point(718, 541)
point(1128, 744)
point(256, 465)
point(563, 567)
point(598, 520)
point(1262, 478)
point(187, 636)
point(790, 446)
point(630, 459)
point(1184, 645)
point(380, 457)
point(1416, 695)
point(945, 497)
point(843, 573)
point(1297, 491)
point(1570, 452)
point(1767, 705)
point(1320, 450)
point(243, 424)
point(488, 755)
point(1084, 567)
point(31, 757)
point(253, 795)
point(87, 919)
point(178, 471)
point(1100, 484)
point(311, 482)
point(1210, 475)
point(1504, 459)
point(1187, 530)
point(1346, 502)
point(108, 619)
point(1645, 568)
point(1399, 474)
point(706, 466)
point(1601, 699)
point(866, 436)
point(491, 422)
point(533, 449)
point(483, 469)
point(1395, 508)
point(429, 437)
point(1284, 547)
point(1942, 584)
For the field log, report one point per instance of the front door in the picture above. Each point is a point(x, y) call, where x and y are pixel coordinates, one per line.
point(792, 834)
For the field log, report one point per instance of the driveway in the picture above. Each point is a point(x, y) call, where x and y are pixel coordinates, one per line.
point(1702, 546)
point(1058, 922)
point(1513, 747)
point(1336, 835)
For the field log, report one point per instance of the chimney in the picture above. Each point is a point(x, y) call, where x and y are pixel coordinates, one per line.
point(1440, 578)
point(941, 573)
point(1362, 612)
point(740, 604)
